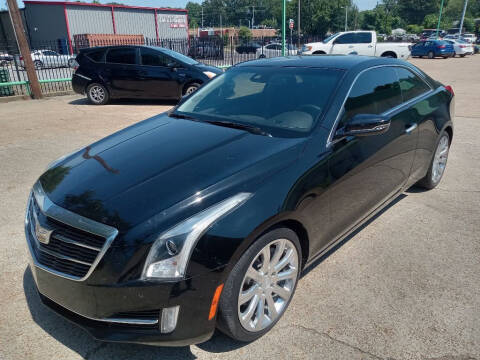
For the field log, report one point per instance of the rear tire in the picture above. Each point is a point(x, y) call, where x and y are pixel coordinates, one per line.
point(463, 55)
point(97, 94)
point(438, 164)
point(431, 55)
point(248, 316)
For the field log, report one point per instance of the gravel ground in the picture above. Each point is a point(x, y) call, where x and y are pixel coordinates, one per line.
point(406, 286)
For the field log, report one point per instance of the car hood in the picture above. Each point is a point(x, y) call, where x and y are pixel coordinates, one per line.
point(203, 67)
point(134, 174)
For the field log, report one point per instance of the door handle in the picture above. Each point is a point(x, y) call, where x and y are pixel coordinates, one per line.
point(411, 128)
point(370, 46)
point(351, 46)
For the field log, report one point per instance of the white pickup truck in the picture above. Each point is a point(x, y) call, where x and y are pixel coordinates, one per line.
point(357, 43)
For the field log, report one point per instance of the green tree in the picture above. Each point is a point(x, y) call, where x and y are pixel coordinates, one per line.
point(244, 33)
point(414, 11)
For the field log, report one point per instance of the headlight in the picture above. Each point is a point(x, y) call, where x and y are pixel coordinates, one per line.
point(210, 74)
point(169, 254)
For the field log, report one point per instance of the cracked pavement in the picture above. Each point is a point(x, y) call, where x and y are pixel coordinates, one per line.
point(406, 286)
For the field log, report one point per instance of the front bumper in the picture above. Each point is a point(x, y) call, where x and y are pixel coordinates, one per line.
point(112, 309)
point(92, 307)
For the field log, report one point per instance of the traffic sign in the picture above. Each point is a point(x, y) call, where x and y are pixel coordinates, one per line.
point(291, 22)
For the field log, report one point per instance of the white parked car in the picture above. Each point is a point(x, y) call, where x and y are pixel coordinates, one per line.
point(469, 37)
point(49, 59)
point(358, 43)
point(275, 49)
point(461, 47)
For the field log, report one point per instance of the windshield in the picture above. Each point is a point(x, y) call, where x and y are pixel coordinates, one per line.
point(329, 38)
point(180, 57)
point(281, 101)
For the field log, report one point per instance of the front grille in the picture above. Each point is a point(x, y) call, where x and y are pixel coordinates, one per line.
point(69, 251)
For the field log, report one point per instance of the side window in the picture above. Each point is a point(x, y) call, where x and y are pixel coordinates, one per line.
point(363, 38)
point(153, 58)
point(345, 39)
point(374, 92)
point(96, 55)
point(122, 56)
point(410, 84)
point(49, 53)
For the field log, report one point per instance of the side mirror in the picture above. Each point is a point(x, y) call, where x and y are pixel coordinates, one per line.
point(364, 125)
point(173, 66)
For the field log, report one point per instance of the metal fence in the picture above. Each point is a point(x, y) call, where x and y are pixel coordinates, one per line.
point(54, 61)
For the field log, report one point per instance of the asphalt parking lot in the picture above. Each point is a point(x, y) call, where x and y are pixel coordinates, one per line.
point(406, 286)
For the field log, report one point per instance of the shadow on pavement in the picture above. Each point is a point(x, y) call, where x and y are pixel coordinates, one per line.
point(352, 235)
point(80, 341)
point(84, 101)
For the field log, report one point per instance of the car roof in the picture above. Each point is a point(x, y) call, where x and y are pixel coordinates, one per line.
point(345, 62)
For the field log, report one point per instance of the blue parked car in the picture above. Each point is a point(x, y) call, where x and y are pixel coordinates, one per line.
point(433, 48)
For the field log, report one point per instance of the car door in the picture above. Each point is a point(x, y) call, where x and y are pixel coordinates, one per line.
point(365, 171)
point(364, 43)
point(159, 80)
point(121, 72)
point(424, 107)
point(344, 44)
point(419, 49)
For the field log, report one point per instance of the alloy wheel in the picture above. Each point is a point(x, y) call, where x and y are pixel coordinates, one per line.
point(97, 93)
point(190, 90)
point(440, 159)
point(268, 285)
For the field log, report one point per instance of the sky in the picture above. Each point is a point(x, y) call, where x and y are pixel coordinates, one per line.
point(362, 4)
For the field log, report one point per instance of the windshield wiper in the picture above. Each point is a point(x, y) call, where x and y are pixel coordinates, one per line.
point(250, 128)
point(181, 116)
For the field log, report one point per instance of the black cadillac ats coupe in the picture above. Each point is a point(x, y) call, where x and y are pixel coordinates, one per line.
point(204, 217)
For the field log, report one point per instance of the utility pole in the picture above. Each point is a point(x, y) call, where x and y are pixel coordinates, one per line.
point(298, 25)
point(253, 15)
point(24, 48)
point(463, 17)
point(202, 17)
point(439, 19)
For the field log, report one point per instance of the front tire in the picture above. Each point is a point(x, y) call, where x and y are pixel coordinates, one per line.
point(260, 286)
point(191, 88)
point(97, 94)
point(431, 55)
point(38, 64)
point(438, 163)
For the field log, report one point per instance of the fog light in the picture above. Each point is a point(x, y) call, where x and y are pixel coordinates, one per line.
point(169, 319)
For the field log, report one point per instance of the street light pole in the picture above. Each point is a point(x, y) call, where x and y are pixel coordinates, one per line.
point(439, 19)
point(298, 24)
point(284, 20)
point(463, 17)
point(346, 17)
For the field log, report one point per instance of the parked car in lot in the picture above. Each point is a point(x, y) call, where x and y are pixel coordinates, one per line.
point(206, 50)
point(469, 37)
point(433, 48)
point(5, 58)
point(205, 216)
point(357, 43)
point(49, 59)
point(461, 47)
point(248, 48)
point(145, 72)
point(275, 49)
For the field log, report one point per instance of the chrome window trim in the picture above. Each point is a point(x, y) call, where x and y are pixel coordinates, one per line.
point(128, 321)
point(330, 142)
point(54, 211)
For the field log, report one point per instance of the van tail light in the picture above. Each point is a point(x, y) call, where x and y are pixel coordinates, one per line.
point(21, 57)
point(450, 90)
point(441, 47)
point(463, 46)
